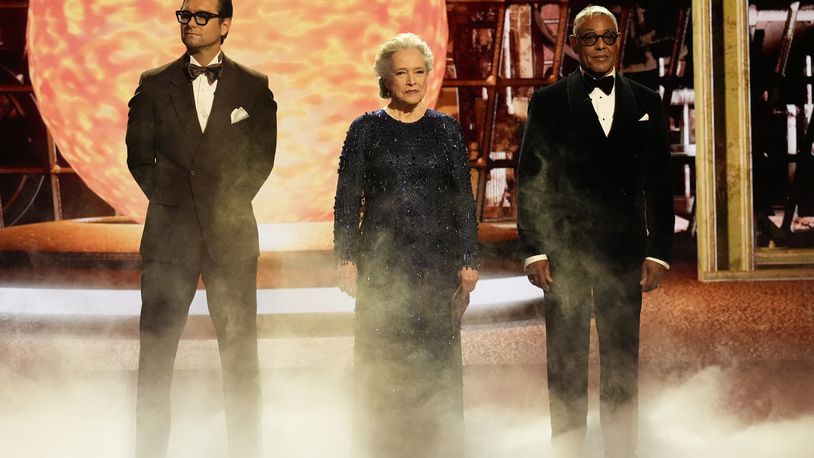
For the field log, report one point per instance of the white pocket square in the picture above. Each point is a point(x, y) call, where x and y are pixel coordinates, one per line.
point(645, 117)
point(239, 114)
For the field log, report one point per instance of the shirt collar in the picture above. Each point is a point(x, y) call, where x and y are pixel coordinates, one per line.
point(217, 60)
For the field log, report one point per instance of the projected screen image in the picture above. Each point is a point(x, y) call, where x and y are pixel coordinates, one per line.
point(86, 56)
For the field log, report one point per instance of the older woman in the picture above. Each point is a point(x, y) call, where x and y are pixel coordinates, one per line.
point(405, 235)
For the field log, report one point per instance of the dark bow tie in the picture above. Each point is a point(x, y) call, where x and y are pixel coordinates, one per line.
point(606, 83)
point(212, 72)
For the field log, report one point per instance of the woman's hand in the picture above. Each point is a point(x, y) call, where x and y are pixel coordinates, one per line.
point(468, 277)
point(347, 278)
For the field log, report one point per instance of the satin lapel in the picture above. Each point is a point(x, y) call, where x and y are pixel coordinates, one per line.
point(183, 101)
point(225, 98)
point(582, 111)
point(625, 111)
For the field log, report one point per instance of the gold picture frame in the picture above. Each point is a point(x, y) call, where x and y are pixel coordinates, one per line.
point(724, 209)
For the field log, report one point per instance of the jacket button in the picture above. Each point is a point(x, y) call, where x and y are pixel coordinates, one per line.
point(192, 172)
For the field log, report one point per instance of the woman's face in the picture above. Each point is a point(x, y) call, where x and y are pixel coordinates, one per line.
point(407, 80)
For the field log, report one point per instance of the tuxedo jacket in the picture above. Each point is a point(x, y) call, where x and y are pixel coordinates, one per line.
point(583, 194)
point(200, 185)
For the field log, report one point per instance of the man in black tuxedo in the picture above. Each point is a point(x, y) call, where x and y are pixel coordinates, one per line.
point(595, 216)
point(201, 138)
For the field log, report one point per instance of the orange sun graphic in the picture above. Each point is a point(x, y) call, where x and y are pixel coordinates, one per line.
point(85, 58)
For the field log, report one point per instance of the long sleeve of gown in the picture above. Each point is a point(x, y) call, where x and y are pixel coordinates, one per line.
point(349, 190)
point(463, 200)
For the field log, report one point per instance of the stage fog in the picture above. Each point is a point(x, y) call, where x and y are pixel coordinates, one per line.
point(726, 361)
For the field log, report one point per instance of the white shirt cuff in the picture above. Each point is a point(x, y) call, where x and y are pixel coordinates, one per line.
point(667, 266)
point(533, 259)
point(542, 257)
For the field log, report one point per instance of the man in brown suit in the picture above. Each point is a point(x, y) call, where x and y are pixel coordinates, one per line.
point(201, 138)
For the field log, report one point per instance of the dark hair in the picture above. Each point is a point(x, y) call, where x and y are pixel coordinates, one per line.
point(225, 12)
point(225, 8)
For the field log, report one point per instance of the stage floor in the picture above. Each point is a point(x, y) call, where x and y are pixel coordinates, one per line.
point(727, 370)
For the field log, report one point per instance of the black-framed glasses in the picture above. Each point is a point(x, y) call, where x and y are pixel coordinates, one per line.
point(201, 17)
point(590, 38)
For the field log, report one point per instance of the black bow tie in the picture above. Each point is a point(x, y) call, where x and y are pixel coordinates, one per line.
point(212, 72)
point(606, 83)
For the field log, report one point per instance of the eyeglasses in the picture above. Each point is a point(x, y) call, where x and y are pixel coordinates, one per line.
point(201, 17)
point(590, 38)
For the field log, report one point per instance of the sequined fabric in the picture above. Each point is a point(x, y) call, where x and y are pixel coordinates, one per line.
point(417, 193)
point(405, 215)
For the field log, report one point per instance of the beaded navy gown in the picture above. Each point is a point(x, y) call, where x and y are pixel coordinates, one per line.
point(405, 215)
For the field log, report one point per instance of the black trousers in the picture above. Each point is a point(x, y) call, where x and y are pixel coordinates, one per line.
point(167, 291)
point(613, 295)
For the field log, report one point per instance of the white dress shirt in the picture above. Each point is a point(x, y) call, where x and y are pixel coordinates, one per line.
point(604, 106)
point(204, 93)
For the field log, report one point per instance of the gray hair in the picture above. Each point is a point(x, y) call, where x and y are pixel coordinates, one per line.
point(591, 11)
point(384, 58)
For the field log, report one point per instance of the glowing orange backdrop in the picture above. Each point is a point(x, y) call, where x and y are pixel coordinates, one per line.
point(85, 58)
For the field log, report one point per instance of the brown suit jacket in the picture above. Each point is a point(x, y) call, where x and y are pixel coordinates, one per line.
point(200, 185)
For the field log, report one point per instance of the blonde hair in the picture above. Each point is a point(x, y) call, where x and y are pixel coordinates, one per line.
point(384, 58)
point(590, 11)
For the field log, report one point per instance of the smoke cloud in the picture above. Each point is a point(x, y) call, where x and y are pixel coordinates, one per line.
point(54, 410)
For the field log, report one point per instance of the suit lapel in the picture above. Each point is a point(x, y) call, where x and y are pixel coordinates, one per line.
point(625, 110)
point(224, 102)
point(183, 101)
point(582, 111)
